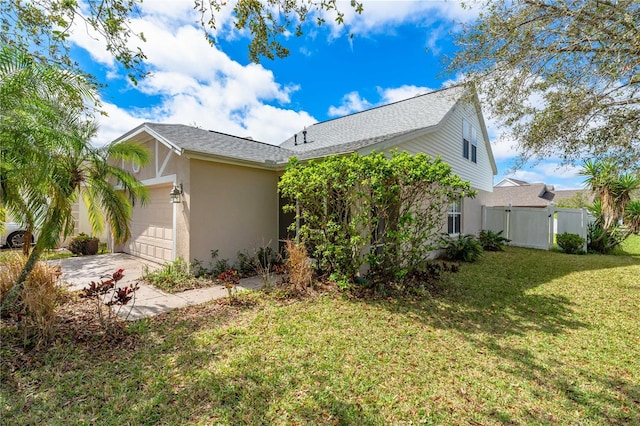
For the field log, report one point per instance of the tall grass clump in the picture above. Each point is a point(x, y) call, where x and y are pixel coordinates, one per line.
point(39, 297)
point(298, 267)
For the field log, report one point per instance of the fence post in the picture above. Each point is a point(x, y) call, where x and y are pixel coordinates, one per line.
point(484, 218)
point(551, 225)
point(507, 221)
point(585, 228)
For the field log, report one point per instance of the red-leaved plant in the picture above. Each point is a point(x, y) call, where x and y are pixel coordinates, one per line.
point(105, 291)
point(230, 279)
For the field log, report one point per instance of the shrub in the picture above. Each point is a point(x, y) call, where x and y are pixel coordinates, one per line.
point(375, 209)
point(39, 298)
point(465, 248)
point(298, 267)
point(84, 245)
point(570, 243)
point(492, 241)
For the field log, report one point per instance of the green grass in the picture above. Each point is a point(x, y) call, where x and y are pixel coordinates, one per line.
point(519, 337)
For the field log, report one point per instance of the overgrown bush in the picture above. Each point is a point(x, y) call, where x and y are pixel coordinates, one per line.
point(83, 244)
point(570, 243)
point(356, 210)
point(463, 248)
point(39, 297)
point(492, 241)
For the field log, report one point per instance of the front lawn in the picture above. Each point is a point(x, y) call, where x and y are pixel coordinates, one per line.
point(520, 337)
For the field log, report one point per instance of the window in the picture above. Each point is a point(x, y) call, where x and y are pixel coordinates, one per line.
point(474, 145)
point(466, 137)
point(454, 217)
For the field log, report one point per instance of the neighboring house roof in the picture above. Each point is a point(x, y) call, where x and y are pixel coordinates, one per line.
point(510, 182)
point(526, 195)
point(530, 195)
point(370, 128)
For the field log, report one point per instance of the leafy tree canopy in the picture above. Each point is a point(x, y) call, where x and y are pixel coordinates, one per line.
point(562, 75)
point(43, 27)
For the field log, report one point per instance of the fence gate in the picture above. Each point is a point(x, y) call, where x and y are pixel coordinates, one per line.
point(535, 227)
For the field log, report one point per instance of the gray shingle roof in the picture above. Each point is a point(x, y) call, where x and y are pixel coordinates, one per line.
point(219, 144)
point(337, 136)
point(375, 125)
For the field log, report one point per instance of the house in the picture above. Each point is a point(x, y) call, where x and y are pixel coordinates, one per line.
point(225, 187)
point(519, 193)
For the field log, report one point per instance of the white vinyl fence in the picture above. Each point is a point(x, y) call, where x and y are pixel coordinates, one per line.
point(535, 227)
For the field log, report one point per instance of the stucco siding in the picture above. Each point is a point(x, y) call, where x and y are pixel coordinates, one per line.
point(446, 141)
point(232, 209)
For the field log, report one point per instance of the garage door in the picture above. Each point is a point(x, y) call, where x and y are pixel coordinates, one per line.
point(152, 227)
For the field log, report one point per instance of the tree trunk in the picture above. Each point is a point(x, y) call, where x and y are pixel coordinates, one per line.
point(10, 302)
point(26, 246)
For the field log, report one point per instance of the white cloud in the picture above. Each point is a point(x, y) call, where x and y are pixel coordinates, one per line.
point(196, 82)
point(381, 15)
point(559, 170)
point(351, 102)
point(395, 94)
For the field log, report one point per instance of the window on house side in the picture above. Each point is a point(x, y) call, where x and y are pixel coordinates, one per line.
point(474, 145)
point(454, 218)
point(466, 137)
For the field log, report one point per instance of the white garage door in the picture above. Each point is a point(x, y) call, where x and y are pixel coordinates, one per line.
point(152, 227)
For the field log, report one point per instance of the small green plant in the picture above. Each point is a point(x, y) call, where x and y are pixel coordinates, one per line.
point(465, 248)
point(172, 276)
point(570, 243)
point(492, 241)
point(215, 268)
point(83, 244)
point(103, 249)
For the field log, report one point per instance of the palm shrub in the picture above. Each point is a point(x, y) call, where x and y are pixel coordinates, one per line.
point(465, 248)
point(604, 241)
point(570, 243)
point(492, 241)
point(632, 216)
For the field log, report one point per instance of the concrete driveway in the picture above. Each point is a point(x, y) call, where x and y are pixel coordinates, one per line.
point(78, 272)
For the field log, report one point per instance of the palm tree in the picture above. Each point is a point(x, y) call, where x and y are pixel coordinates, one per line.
point(47, 161)
point(623, 188)
point(601, 179)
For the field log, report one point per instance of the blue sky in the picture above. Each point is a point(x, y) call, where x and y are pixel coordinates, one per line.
point(398, 49)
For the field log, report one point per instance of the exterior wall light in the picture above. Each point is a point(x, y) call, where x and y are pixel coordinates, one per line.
point(176, 192)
